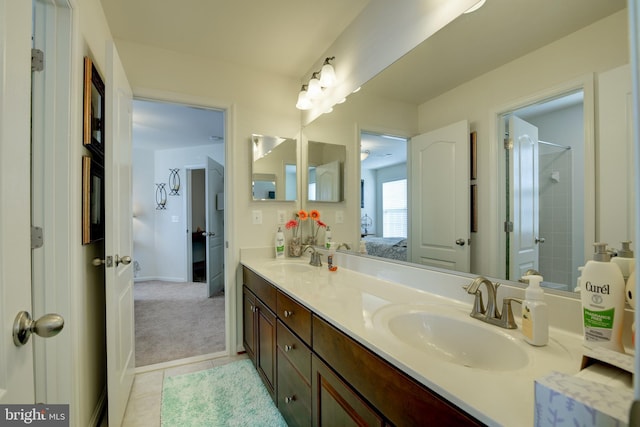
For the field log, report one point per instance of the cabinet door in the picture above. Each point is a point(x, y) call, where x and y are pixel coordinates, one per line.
point(334, 403)
point(248, 323)
point(266, 346)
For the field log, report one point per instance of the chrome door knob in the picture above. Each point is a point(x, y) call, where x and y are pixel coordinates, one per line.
point(539, 239)
point(126, 260)
point(460, 242)
point(47, 326)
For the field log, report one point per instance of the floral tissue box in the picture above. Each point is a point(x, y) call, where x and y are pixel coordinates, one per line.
point(600, 395)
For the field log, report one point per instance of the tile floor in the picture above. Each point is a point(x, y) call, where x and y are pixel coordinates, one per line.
point(143, 409)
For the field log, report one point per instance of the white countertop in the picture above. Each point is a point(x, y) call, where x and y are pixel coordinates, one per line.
point(360, 305)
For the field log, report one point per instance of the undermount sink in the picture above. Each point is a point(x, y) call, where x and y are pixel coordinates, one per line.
point(458, 341)
point(285, 266)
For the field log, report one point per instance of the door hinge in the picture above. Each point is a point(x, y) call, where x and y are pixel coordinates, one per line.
point(37, 60)
point(37, 237)
point(508, 143)
point(508, 227)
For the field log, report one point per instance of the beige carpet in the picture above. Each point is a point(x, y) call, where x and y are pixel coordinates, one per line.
point(175, 321)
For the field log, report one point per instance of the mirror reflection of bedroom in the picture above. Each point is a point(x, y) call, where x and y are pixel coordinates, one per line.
point(178, 291)
point(384, 197)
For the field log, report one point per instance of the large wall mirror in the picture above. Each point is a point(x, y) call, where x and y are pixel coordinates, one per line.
point(560, 67)
point(274, 168)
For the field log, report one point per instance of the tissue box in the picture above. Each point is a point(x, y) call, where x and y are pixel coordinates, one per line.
point(600, 395)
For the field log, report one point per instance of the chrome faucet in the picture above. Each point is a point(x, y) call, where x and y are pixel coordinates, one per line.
point(343, 245)
point(315, 256)
point(490, 314)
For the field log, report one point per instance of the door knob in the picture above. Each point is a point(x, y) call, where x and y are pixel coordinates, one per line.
point(460, 242)
point(47, 326)
point(126, 260)
point(539, 239)
point(210, 234)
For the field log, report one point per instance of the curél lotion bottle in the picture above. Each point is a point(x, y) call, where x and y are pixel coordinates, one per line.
point(535, 317)
point(602, 293)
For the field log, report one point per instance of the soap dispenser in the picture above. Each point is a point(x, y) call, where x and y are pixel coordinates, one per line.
point(535, 318)
point(602, 294)
point(625, 260)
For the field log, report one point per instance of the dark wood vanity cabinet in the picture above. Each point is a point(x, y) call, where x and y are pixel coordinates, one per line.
point(319, 376)
point(259, 327)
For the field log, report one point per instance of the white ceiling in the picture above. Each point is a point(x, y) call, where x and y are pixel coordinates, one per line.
point(280, 36)
point(267, 35)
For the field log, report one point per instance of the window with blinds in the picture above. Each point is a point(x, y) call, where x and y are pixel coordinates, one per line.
point(394, 208)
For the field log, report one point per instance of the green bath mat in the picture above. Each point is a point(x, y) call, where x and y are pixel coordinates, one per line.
point(228, 395)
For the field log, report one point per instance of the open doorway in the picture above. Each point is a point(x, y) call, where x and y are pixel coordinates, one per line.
point(178, 231)
point(544, 193)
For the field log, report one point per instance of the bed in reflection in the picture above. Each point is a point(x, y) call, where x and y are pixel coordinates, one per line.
point(387, 247)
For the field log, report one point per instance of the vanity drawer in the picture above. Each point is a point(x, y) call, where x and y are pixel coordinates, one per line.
point(260, 287)
point(292, 348)
point(399, 398)
point(295, 316)
point(294, 393)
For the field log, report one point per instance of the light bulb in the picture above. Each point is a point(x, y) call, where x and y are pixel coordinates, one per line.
point(327, 75)
point(304, 103)
point(314, 89)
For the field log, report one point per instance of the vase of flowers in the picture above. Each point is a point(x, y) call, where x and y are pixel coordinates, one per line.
point(295, 242)
point(316, 225)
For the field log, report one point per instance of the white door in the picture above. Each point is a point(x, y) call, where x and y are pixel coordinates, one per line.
point(439, 215)
point(16, 366)
point(118, 238)
point(328, 182)
point(524, 198)
point(214, 195)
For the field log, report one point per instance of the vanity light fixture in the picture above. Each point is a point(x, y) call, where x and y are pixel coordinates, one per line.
point(328, 74)
point(304, 103)
point(320, 80)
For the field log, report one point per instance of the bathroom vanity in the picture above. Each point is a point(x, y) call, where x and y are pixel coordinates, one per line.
point(345, 347)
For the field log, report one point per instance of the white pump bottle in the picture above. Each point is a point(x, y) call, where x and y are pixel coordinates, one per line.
point(535, 317)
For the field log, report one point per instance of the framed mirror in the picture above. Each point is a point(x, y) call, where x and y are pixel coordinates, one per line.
point(274, 170)
point(93, 109)
point(325, 168)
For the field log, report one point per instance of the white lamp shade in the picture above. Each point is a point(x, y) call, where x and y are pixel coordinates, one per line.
point(304, 103)
point(314, 90)
point(327, 76)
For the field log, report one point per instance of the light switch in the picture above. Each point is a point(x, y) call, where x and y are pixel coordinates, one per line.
point(339, 217)
point(257, 216)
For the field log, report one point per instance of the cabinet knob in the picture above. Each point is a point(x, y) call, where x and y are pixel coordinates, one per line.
point(253, 308)
point(289, 399)
point(288, 348)
point(288, 313)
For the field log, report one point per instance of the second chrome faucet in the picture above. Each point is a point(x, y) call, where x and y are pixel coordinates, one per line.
point(491, 314)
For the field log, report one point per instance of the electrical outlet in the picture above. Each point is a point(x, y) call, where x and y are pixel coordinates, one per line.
point(257, 216)
point(282, 217)
point(339, 217)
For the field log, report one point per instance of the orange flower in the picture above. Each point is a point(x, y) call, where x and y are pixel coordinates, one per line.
point(303, 215)
point(314, 214)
